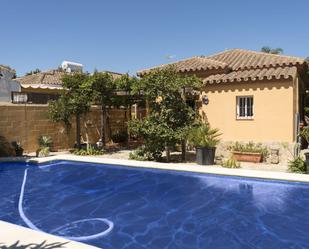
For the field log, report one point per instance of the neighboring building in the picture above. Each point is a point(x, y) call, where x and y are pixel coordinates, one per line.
point(248, 95)
point(41, 87)
point(44, 86)
point(7, 84)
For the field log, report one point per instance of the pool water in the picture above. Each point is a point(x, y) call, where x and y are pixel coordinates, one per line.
point(154, 208)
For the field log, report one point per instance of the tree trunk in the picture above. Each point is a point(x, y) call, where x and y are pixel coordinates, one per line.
point(183, 150)
point(183, 142)
point(129, 119)
point(78, 144)
point(103, 120)
point(168, 153)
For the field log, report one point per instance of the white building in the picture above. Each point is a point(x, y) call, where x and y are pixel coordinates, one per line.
point(7, 84)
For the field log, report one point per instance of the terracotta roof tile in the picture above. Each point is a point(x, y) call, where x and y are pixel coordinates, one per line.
point(193, 64)
point(253, 75)
point(239, 65)
point(52, 77)
point(239, 59)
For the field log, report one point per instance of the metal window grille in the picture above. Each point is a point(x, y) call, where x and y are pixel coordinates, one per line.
point(245, 107)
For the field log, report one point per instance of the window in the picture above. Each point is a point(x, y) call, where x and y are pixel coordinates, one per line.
point(245, 107)
point(19, 98)
point(33, 98)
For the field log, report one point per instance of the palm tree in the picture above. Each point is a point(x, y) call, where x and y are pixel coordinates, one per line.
point(270, 50)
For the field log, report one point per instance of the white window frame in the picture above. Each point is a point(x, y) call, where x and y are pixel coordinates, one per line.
point(238, 98)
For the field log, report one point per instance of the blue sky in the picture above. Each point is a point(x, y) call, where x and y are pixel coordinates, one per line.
point(125, 36)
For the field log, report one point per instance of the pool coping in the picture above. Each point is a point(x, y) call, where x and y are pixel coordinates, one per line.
point(11, 233)
point(270, 175)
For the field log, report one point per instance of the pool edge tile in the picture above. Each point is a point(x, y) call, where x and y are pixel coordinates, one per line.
point(11, 233)
point(271, 175)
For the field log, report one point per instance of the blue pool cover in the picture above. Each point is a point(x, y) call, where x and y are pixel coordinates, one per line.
point(120, 207)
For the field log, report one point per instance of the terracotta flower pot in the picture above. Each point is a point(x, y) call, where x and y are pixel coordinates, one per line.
point(247, 156)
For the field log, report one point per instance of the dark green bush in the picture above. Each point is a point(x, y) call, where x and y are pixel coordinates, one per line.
point(119, 137)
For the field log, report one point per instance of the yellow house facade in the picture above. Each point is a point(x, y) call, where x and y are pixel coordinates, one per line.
point(248, 95)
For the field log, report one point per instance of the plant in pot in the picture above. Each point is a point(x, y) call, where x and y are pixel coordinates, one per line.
point(45, 143)
point(248, 152)
point(18, 148)
point(204, 139)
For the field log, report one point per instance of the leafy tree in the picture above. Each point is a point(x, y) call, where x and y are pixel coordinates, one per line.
point(169, 116)
point(270, 50)
point(33, 72)
point(127, 94)
point(104, 87)
point(75, 100)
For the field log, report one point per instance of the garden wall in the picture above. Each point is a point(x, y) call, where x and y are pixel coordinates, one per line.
point(25, 123)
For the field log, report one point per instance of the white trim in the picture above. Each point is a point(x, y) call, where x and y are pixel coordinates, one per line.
point(245, 97)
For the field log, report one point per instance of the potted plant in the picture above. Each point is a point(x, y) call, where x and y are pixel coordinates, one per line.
point(204, 139)
point(248, 152)
point(18, 148)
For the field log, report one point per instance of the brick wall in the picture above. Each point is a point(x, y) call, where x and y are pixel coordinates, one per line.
point(25, 123)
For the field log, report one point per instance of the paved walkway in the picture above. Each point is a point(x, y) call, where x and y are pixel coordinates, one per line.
point(124, 154)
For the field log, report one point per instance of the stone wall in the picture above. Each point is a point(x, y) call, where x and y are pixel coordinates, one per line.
point(286, 151)
point(26, 123)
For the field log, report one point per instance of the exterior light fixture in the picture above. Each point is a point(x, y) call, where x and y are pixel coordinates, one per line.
point(205, 100)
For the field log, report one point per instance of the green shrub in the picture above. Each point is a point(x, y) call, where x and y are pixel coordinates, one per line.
point(204, 136)
point(119, 137)
point(45, 141)
point(43, 152)
point(297, 165)
point(141, 154)
point(249, 147)
point(90, 152)
point(231, 163)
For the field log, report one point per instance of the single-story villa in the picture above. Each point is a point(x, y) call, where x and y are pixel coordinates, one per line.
point(248, 95)
point(44, 86)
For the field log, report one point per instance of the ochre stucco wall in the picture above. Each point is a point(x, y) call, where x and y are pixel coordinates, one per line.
point(274, 110)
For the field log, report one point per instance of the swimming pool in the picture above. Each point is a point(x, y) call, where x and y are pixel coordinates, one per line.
point(123, 207)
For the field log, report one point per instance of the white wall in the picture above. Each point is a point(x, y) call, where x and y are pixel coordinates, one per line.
point(7, 85)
